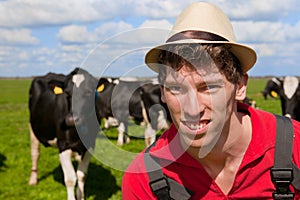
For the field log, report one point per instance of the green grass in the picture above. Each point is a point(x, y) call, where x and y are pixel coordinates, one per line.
point(254, 89)
point(106, 168)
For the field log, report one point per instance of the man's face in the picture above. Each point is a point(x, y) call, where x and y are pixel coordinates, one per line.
point(201, 102)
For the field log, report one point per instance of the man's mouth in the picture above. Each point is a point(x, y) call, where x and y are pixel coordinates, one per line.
point(196, 125)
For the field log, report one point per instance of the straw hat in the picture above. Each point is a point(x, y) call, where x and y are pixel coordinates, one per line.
point(203, 23)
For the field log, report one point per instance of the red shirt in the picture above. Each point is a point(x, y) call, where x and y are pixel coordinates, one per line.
point(252, 180)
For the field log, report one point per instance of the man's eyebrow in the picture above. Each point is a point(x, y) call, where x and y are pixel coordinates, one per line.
point(217, 81)
point(173, 82)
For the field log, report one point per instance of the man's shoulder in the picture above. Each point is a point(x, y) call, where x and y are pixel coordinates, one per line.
point(257, 116)
point(296, 125)
point(137, 164)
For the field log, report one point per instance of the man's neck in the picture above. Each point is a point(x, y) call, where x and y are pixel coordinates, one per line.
point(223, 161)
point(232, 144)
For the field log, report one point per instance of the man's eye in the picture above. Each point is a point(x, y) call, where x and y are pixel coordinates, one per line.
point(209, 88)
point(175, 89)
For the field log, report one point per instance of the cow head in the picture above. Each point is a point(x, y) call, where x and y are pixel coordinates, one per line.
point(288, 89)
point(291, 96)
point(273, 87)
point(80, 88)
point(105, 89)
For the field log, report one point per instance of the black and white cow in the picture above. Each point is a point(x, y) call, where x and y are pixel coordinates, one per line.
point(122, 99)
point(157, 112)
point(63, 114)
point(288, 89)
point(273, 87)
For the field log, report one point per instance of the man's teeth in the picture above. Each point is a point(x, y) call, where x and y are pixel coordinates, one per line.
point(196, 126)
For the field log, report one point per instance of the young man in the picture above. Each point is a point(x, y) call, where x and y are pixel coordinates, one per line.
point(216, 148)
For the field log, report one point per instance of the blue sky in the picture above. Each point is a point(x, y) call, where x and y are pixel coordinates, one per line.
point(111, 37)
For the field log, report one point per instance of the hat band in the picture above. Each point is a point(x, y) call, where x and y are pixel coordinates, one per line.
point(200, 35)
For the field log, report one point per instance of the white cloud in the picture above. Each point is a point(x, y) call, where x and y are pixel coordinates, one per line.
point(23, 56)
point(157, 9)
point(32, 13)
point(5, 51)
point(264, 50)
point(17, 37)
point(123, 28)
point(75, 34)
point(110, 29)
point(259, 10)
point(165, 24)
point(276, 40)
point(71, 48)
point(261, 31)
point(293, 31)
point(39, 13)
point(267, 32)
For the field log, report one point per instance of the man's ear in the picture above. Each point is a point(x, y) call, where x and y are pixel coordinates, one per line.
point(163, 97)
point(241, 88)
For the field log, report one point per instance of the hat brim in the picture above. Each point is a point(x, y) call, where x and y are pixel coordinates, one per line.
point(245, 54)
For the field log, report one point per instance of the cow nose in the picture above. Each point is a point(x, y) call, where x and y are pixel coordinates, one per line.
point(288, 115)
point(71, 119)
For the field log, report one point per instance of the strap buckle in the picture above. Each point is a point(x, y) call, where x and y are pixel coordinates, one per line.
point(282, 178)
point(160, 185)
point(289, 196)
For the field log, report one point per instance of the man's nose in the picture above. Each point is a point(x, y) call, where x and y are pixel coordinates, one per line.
point(192, 104)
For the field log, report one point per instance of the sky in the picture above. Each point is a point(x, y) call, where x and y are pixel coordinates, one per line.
point(111, 37)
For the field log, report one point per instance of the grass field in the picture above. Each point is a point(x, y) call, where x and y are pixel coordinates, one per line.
point(106, 168)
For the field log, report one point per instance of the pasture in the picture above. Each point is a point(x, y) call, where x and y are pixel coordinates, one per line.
point(106, 167)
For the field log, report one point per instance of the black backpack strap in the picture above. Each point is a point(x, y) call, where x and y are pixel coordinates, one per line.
point(282, 172)
point(162, 186)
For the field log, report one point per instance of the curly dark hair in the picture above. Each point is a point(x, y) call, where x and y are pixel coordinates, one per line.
point(193, 55)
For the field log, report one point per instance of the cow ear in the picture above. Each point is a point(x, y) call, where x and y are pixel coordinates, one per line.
point(241, 88)
point(163, 98)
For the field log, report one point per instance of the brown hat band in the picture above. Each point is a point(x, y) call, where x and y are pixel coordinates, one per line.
point(200, 35)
